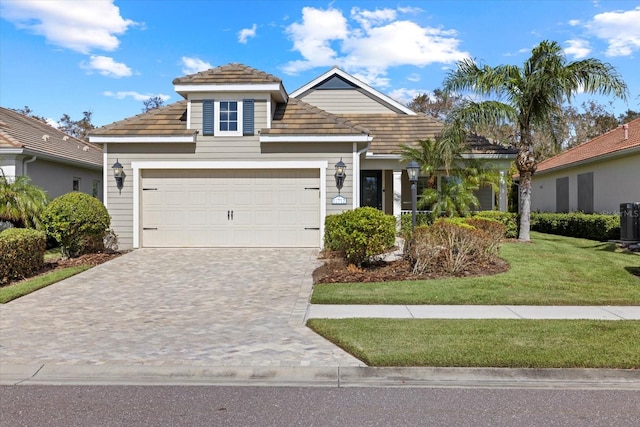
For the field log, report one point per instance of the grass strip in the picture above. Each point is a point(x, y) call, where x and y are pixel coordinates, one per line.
point(552, 270)
point(11, 292)
point(487, 342)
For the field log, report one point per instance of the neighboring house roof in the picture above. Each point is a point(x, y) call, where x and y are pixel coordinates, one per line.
point(300, 118)
point(170, 120)
point(335, 71)
point(615, 142)
point(34, 137)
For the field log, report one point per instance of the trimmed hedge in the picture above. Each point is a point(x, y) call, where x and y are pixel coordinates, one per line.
point(21, 253)
point(360, 234)
point(599, 227)
point(78, 222)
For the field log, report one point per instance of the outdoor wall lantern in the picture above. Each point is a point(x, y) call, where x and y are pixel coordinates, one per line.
point(341, 174)
point(118, 174)
point(413, 170)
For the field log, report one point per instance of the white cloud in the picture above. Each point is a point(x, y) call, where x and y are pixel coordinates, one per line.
point(577, 48)
point(106, 66)
point(620, 29)
point(574, 22)
point(51, 122)
point(194, 65)
point(135, 95)
point(245, 33)
point(369, 43)
point(77, 25)
point(414, 77)
point(405, 96)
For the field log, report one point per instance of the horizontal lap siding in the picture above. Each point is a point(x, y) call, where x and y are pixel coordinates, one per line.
point(345, 102)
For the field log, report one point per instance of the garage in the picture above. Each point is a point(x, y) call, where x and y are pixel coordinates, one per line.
point(230, 208)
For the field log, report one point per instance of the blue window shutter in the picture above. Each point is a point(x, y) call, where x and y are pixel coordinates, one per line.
point(247, 117)
point(207, 117)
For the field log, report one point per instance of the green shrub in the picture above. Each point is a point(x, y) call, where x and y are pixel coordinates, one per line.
point(599, 227)
point(510, 220)
point(360, 234)
point(21, 253)
point(422, 218)
point(78, 222)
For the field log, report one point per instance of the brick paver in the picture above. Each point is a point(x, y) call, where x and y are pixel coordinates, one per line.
point(200, 307)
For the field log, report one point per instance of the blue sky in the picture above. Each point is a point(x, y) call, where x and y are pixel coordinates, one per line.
point(108, 56)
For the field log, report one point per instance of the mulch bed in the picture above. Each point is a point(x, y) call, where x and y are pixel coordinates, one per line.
point(336, 270)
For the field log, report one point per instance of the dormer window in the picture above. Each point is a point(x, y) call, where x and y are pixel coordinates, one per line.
point(227, 117)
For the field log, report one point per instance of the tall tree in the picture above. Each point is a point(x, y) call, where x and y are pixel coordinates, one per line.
point(29, 112)
point(439, 104)
point(77, 128)
point(628, 116)
point(21, 202)
point(533, 95)
point(152, 103)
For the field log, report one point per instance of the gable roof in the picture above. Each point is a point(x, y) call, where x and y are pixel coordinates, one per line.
point(170, 120)
point(297, 117)
point(231, 77)
point(608, 144)
point(34, 137)
point(346, 77)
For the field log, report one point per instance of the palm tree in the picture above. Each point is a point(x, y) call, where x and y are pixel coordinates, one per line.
point(533, 96)
point(20, 201)
point(455, 198)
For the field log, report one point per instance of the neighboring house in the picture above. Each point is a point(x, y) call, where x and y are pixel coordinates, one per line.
point(240, 162)
point(54, 161)
point(595, 176)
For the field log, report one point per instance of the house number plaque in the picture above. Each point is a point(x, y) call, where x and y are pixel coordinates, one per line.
point(339, 200)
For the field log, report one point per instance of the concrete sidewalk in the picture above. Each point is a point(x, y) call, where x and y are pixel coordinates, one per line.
point(321, 311)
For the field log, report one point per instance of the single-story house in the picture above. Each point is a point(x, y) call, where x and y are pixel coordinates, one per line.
point(595, 176)
point(241, 162)
point(53, 160)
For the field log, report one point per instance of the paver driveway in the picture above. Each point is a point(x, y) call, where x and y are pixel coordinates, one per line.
point(200, 307)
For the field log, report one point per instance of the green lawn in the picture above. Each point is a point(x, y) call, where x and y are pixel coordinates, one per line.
point(487, 343)
point(11, 292)
point(553, 270)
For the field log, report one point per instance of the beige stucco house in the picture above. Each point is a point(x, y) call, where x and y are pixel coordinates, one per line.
point(241, 162)
point(53, 160)
point(595, 176)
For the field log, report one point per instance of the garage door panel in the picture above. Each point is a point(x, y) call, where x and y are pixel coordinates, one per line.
point(251, 208)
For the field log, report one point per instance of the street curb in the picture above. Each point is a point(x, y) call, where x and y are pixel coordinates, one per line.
point(50, 374)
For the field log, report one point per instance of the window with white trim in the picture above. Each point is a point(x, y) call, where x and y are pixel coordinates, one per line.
point(232, 117)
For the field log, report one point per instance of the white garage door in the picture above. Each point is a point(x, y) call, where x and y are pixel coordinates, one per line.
point(233, 208)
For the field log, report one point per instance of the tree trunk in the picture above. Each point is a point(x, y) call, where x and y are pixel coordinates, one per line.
point(525, 206)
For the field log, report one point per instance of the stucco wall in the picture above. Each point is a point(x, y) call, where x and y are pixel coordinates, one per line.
point(57, 179)
point(615, 181)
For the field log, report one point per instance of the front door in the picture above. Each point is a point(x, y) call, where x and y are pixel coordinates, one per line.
point(371, 189)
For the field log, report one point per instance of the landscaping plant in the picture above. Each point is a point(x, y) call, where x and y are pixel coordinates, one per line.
point(78, 222)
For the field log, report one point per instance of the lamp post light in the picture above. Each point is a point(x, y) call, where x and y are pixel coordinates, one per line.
point(118, 174)
point(413, 169)
point(340, 174)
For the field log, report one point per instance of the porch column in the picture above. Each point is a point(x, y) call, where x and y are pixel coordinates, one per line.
point(397, 194)
point(502, 197)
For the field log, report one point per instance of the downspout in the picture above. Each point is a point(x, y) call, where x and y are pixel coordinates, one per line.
point(356, 174)
point(24, 164)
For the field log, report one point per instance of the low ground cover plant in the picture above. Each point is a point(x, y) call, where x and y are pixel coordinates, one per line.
point(600, 227)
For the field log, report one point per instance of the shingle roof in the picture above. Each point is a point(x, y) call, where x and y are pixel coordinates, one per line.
point(20, 131)
point(300, 118)
point(609, 143)
point(170, 120)
point(389, 131)
point(228, 74)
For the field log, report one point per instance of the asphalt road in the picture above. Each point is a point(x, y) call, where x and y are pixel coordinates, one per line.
point(34, 405)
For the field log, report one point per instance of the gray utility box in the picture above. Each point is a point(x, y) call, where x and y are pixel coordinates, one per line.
point(630, 222)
